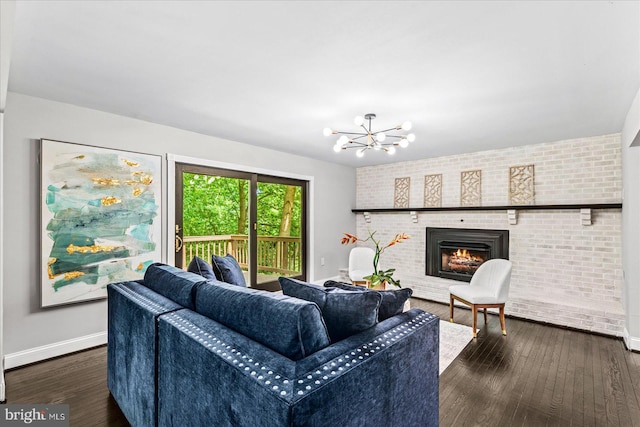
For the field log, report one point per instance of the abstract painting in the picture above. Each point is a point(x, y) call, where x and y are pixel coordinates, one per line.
point(100, 219)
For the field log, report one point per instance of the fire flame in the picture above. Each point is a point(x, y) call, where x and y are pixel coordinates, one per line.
point(465, 254)
point(462, 253)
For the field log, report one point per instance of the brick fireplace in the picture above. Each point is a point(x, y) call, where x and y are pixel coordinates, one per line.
point(564, 272)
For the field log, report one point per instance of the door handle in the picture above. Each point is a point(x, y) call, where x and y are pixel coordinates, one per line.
point(179, 242)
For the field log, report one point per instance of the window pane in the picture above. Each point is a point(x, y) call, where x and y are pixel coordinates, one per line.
point(215, 218)
point(279, 231)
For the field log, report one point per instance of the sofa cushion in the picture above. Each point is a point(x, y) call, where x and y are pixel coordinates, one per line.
point(227, 270)
point(345, 313)
point(292, 327)
point(173, 283)
point(201, 267)
point(392, 299)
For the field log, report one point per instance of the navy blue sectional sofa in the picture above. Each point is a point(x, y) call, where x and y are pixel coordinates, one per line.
point(185, 351)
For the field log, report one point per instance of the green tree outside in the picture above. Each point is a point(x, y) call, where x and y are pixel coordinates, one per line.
point(214, 205)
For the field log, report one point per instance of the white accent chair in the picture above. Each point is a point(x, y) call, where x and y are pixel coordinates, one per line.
point(360, 264)
point(489, 288)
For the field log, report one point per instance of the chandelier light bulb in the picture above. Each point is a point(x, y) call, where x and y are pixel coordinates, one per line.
point(411, 137)
point(337, 148)
point(359, 120)
point(360, 152)
point(342, 140)
point(327, 131)
point(376, 146)
point(391, 150)
point(380, 136)
point(406, 126)
point(404, 143)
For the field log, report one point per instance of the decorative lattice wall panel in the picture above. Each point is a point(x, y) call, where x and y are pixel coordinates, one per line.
point(471, 188)
point(521, 185)
point(401, 193)
point(433, 191)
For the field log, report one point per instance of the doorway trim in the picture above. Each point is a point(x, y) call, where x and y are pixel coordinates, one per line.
point(172, 159)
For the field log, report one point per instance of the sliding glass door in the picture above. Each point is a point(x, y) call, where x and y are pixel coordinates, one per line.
point(259, 219)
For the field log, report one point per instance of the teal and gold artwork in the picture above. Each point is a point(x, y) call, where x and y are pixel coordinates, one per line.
point(100, 219)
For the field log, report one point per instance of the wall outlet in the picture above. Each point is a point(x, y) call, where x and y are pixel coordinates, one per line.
point(322, 261)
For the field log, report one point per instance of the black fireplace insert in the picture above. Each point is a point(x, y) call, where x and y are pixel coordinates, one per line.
point(456, 253)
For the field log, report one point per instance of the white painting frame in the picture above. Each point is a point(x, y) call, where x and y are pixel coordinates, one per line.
point(100, 216)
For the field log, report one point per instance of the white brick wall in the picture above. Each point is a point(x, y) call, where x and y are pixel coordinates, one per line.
point(563, 272)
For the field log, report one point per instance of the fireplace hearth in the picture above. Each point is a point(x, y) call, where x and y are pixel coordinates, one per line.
point(456, 253)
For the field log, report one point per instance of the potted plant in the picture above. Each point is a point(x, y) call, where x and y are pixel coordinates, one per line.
point(379, 277)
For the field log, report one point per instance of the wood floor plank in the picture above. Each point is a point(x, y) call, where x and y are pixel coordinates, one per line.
point(574, 381)
point(578, 417)
point(552, 382)
point(512, 388)
point(631, 376)
point(633, 364)
point(618, 385)
point(557, 396)
point(602, 408)
point(589, 399)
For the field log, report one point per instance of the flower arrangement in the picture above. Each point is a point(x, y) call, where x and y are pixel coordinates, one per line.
point(379, 277)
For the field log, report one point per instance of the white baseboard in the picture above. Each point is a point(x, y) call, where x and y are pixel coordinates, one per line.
point(632, 343)
point(44, 352)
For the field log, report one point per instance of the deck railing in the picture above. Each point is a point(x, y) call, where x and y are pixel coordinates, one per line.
point(280, 255)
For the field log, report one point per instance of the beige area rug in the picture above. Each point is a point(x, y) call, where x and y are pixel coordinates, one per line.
point(453, 339)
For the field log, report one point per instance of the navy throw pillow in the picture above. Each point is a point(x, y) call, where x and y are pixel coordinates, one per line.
point(392, 299)
point(201, 267)
point(345, 313)
point(228, 270)
point(174, 283)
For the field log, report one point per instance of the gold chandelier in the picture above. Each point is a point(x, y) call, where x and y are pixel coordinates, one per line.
point(385, 140)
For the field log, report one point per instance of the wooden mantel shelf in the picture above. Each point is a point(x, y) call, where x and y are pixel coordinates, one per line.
point(494, 208)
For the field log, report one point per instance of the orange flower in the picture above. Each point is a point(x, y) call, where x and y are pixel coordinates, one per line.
point(349, 238)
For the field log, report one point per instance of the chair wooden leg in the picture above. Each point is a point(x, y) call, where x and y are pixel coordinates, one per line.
point(475, 318)
point(450, 308)
point(485, 315)
point(504, 329)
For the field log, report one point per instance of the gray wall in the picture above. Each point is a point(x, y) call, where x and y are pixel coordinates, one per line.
point(7, 13)
point(631, 222)
point(28, 119)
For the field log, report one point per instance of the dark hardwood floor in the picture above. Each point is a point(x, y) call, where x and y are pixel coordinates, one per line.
point(79, 379)
point(536, 376)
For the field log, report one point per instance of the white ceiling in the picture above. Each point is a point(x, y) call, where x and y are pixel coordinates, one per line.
point(469, 75)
